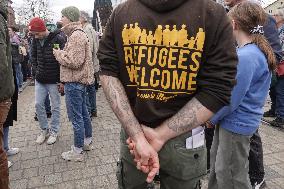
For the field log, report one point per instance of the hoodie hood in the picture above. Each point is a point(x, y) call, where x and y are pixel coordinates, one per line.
point(3, 8)
point(163, 5)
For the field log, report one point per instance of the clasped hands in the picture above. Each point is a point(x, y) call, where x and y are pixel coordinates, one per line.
point(145, 147)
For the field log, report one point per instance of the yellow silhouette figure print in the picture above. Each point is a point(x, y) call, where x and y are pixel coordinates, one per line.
point(150, 38)
point(143, 38)
point(131, 34)
point(200, 38)
point(191, 43)
point(125, 35)
point(167, 36)
point(158, 37)
point(182, 36)
point(137, 33)
point(174, 36)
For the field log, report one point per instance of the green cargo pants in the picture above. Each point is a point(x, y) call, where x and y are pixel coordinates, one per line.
point(180, 168)
point(229, 161)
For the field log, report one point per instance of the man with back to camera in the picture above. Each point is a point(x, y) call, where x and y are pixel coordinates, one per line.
point(167, 67)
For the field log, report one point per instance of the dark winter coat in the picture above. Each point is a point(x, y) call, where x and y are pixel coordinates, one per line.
point(46, 68)
point(12, 115)
point(6, 73)
point(271, 34)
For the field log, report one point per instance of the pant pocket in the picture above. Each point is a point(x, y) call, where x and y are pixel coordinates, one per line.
point(185, 164)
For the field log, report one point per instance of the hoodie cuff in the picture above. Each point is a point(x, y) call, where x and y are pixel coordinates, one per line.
point(211, 102)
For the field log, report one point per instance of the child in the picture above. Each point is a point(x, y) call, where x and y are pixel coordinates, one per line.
point(237, 122)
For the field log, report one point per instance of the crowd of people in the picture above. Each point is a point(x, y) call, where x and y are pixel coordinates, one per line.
point(188, 78)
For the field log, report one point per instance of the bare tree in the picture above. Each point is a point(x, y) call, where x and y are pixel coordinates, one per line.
point(33, 8)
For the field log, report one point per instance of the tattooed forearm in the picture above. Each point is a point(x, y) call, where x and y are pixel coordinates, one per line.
point(118, 100)
point(193, 114)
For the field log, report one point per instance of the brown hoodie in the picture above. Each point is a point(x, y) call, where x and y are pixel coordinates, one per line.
point(76, 57)
point(165, 52)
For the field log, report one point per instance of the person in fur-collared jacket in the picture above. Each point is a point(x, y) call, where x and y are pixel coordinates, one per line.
point(76, 72)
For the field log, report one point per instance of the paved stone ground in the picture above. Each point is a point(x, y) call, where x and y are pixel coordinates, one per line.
point(40, 166)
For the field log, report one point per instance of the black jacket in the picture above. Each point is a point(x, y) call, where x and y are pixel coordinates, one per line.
point(17, 58)
point(46, 68)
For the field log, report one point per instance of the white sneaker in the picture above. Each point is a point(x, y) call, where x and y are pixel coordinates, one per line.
point(10, 164)
point(260, 185)
point(41, 138)
point(52, 138)
point(88, 147)
point(72, 155)
point(13, 151)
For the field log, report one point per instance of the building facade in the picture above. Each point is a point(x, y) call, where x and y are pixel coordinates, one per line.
point(273, 7)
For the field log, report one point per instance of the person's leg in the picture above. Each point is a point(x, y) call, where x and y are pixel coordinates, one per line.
point(231, 165)
point(279, 121)
point(87, 122)
point(55, 113)
point(209, 135)
point(213, 154)
point(75, 96)
point(9, 151)
point(47, 104)
point(24, 71)
point(92, 98)
point(6, 138)
point(4, 173)
point(55, 105)
point(77, 113)
point(256, 168)
point(17, 70)
point(40, 96)
point(272, 94)
point(88, 99)
point(20, 75)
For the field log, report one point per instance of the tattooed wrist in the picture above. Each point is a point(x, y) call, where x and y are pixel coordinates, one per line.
point(190, 116)
point(116, 96)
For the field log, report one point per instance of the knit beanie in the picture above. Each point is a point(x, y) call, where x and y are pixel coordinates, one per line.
point(72, 13)
point(37, 25)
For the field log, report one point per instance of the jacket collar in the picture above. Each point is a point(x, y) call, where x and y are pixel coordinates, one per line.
point(69, 28)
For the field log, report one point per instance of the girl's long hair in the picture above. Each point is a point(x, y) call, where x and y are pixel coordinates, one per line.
point(247, 16)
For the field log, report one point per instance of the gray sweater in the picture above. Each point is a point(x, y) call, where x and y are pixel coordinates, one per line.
point(94, 43)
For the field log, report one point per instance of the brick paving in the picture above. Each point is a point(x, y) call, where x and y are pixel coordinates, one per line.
point(41, 166)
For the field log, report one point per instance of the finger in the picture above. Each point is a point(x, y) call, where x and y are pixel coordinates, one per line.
point(152, 173)
point(128, 141)
point(145, 169)
point(131, 146)
point(138, 166)
point(154, 168)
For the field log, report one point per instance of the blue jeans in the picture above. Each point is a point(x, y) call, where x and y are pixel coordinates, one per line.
point(280, 97)
point(47, 104)
point(75, 96)
point(6, 138)
point(19, 74)
point(41, 92)
point(91, 98)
